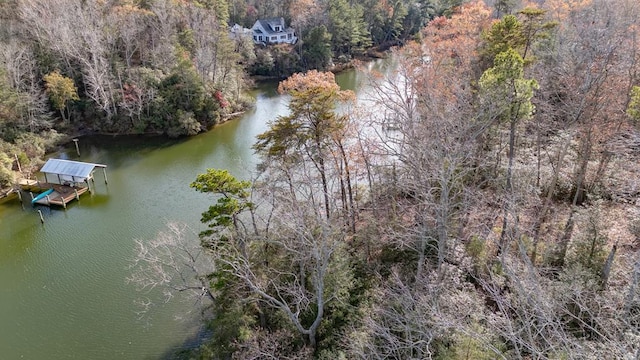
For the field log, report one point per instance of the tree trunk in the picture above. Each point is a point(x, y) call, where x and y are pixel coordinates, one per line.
point(442, 223)
point(352, 210)
point(509, 187)
point(577, 198)
point(424, 239)
point(579, 195)
point(606, 271)
point(542, 218)
point(564, 241)
point(633, 288)
point(325, 187)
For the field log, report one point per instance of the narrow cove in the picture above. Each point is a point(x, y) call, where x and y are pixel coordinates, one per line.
point(63, 289)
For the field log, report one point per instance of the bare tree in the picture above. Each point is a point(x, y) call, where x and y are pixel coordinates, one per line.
point(173, 262)
point(163, 34)
point(401, 325)
point(415, 320)
point(275, 345)
point(79, 33)
point(591, 69)
point(424, 129)
point(302, 271)
point(21, 66)
point(132, 27)
point(292, 260)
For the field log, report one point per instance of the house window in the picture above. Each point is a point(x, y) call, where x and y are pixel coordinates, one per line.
point(255, 37)
point(289, 36)
point(282, 37)
point(274, 38)
point(277, 28)
point(260, 38)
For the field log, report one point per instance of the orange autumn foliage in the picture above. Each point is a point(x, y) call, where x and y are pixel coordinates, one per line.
point(452, 42)
point(314, 81)
point(561, 9)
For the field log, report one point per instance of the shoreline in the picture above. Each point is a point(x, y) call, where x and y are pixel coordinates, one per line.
point(67, 138)
point(369, 55)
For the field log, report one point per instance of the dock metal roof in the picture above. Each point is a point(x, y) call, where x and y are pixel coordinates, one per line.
point(69, 168)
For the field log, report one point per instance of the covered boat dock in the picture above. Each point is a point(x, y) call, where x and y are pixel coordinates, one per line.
point(66, 180)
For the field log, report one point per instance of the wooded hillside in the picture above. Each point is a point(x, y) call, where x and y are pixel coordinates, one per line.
point(482, 202)
point(164, 66)
point(69, 67)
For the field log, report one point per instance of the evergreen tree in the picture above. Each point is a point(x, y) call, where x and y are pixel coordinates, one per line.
point(316, 53)
point(348, 28)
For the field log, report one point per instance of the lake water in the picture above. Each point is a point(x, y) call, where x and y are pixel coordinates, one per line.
point(63, 289)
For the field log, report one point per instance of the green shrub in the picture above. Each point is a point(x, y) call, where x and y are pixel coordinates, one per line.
point(588, 248)
point(464, 347)
point(6, 176)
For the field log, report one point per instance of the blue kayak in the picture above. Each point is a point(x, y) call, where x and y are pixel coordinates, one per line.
point(41, 196)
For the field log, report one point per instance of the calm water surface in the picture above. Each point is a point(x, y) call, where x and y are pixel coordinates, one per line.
point(63, 293)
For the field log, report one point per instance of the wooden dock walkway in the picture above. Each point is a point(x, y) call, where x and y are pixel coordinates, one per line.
point(33, 185)
point(61, 195)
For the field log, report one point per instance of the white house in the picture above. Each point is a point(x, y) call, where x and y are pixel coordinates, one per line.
point(273, 31)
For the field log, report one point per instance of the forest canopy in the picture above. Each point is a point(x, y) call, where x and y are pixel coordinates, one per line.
point(481, 201)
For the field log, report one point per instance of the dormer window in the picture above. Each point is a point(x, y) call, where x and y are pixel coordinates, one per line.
point(277, 28)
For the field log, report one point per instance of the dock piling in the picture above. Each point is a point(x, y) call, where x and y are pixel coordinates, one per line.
point(41, 217)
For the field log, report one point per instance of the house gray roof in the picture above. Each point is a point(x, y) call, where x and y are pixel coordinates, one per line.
point(69, 168)
point(270, 24)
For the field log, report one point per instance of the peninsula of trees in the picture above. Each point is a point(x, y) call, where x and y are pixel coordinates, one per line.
point(481, 202)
